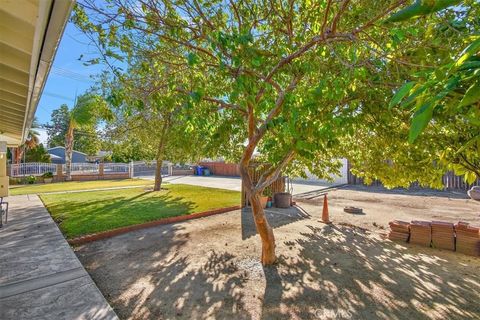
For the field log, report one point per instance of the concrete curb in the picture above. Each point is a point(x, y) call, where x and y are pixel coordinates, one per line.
point(122, 230)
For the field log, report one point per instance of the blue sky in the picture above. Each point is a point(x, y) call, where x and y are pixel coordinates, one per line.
point(68, 75)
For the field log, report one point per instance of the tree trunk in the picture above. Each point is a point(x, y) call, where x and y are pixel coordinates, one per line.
point(263, 227)
point(158, 175)
point(264, 230)
point(18, 155)
point(160, 155)
point(68, 152)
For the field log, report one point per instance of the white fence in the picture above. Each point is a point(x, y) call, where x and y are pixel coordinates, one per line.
point(83, 168)
point(38, 169)
point(134, 169)
point(31, 169)
point(147, 168)
point(116, 168)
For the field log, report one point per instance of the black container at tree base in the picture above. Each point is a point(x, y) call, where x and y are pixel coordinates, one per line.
point(282, 199)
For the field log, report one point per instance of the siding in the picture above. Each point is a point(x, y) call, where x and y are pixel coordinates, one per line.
point(77, 157)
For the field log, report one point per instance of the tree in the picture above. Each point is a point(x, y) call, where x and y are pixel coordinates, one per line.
point(87, 111)
point(149, 118)
point(290, 77)
point(445, 98)
point(37, 154)
point(86, 140)
point(30, 143)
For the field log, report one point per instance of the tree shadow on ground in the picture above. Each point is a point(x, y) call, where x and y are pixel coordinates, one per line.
point(341, 273)
point(324, 272)
point(149, 278)
point(276, 217)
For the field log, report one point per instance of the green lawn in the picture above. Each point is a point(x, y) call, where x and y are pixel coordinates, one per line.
point(74, 185)
point(90, 212)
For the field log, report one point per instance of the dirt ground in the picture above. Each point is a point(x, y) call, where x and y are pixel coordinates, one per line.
point(208, 268)
point(381, 206)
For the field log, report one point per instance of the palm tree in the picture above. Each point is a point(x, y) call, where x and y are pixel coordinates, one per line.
point(32, 141)
point(88, 110)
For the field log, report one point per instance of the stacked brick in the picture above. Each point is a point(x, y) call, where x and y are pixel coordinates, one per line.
point(460, 237)
point(399, 230)
point(468, 239)
point(443, 235)
point(421, 233)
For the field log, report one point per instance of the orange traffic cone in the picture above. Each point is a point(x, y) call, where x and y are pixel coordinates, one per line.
point(325, 218)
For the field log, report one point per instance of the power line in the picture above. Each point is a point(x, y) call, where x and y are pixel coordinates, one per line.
point(71, 75)
point(57, 96)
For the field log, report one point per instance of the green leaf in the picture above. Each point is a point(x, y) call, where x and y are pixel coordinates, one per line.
point(420, 120)
point(304, 146)
point(470, 65)
point(421, 8)
point(472, 95)
point(196, 96)
point(468, 52)
point(401, 93)
point(92, 62)
point(470, 177)
point(192, 59)
point(414, 95)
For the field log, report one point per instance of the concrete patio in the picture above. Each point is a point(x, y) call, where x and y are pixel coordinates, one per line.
point(41, 278)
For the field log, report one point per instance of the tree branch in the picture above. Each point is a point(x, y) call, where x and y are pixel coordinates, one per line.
point(378, 17)
point(338, 15)
point(278, 104)
point(271, 175)
point(325, 17)
point(223, 104)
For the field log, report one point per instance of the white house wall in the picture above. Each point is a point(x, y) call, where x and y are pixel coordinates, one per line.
point(337, 179)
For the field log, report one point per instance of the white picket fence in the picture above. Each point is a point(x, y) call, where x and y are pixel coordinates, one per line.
point(116, 168)
point(38, 169)
point(31, 169)
point(83, 168)
point(134, 169)
point(147, 168)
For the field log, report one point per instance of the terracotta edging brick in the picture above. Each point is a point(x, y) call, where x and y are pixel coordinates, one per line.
point(115, 232)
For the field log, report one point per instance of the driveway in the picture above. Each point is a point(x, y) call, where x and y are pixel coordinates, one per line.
point(233, 183)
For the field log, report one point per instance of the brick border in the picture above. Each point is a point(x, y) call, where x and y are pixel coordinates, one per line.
point(115, 232)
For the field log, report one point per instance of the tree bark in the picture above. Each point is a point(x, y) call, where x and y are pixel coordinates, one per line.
point(264, 230)
point(68, 152)
point(158, 175)
point(160, 155)
point(18, 154)
point(263, 227)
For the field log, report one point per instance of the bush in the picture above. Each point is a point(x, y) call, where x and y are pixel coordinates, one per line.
point(47, 175)
point(31, 179)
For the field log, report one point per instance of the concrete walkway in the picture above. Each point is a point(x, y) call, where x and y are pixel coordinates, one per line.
point(40, 276)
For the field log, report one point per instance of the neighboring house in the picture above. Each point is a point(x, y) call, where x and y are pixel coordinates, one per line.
point(100, 156)
point(57, 155)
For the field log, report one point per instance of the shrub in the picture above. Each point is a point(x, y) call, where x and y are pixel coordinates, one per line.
point(47, 175)
point(31, 179)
